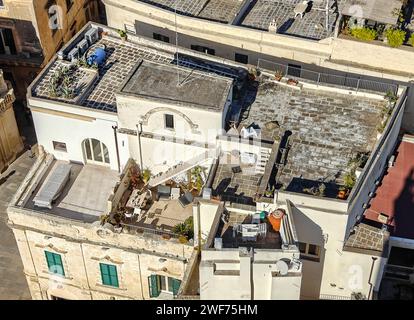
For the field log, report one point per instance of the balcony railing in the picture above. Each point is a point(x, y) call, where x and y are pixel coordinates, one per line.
point(7, 100)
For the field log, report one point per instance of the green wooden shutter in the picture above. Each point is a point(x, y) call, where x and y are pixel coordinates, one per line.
point(109, 275)
point(113, 274)
point(154, 287)
point(54, 263)
point(176, 284)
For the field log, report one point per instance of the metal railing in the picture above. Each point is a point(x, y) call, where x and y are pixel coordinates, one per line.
point(358, 84)
point(148, 231)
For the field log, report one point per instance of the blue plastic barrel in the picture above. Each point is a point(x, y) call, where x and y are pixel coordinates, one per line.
point(98, 57)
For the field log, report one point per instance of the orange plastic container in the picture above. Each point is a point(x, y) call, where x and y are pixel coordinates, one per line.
point(275, 222)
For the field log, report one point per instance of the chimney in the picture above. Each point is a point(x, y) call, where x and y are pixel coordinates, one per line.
point(3, 85)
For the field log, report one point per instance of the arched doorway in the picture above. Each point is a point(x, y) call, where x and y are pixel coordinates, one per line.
point(95, 152)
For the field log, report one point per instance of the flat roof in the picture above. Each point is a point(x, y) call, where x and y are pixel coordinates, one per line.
point(177, 84)
point(259, 14)
point(224, 11)
point(395, 195)
point(311, 26)
point(86, 194)
point(320, 130)
point(121, 59)
point(96, 89)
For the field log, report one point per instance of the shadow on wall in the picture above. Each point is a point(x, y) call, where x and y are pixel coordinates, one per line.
point(404, 209)
point(310, 232)
point(404, 226)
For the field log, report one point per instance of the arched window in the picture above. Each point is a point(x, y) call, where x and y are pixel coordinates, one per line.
point(95, 151)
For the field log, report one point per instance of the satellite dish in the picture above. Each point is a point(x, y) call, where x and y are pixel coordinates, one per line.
point(282, 267)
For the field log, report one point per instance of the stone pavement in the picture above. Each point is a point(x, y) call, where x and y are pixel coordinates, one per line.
point(13, 284)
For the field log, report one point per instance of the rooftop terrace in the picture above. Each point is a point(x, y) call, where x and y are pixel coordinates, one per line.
point(84, 197)
point(96, 88)
point(233, 239)
point(121, 59)
point(321, 131)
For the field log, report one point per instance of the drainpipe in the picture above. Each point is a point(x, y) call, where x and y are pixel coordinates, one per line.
point(115, 128)
point(370, 275)
point(199, 226)
point(212, 173)
point(139, 133)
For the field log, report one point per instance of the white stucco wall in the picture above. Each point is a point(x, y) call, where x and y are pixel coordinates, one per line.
point(51, 127)
point(338, 273)
point(235, 275)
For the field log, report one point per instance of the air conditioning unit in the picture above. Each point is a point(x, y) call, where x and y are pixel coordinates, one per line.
point(83, 46)
point(92, 36)
point(73, 55)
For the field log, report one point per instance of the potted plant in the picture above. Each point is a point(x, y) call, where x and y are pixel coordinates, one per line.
point(349, 180)
point(292, 82)
point(342, 193)
point(278, 75)
point(183, 239)
point(270, 192)
point(146, 175)
point(253, 73)
point(122, 34)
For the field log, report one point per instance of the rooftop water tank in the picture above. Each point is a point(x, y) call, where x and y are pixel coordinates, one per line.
point(97, 57)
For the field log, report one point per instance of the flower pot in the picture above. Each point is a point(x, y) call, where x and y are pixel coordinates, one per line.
point(342, 194)
point(292, 82)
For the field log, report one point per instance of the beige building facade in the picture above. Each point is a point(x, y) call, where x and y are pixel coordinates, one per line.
point(67, 257)
point(32, 31)
point(235, 41)
point(10, 141)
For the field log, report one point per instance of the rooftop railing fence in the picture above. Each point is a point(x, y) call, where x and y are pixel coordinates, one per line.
point(358, 84)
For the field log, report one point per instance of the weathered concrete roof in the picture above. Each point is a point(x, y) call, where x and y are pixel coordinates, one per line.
point(179, 86)
point(327, 129)
point(378, 10)
point(366, 237)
